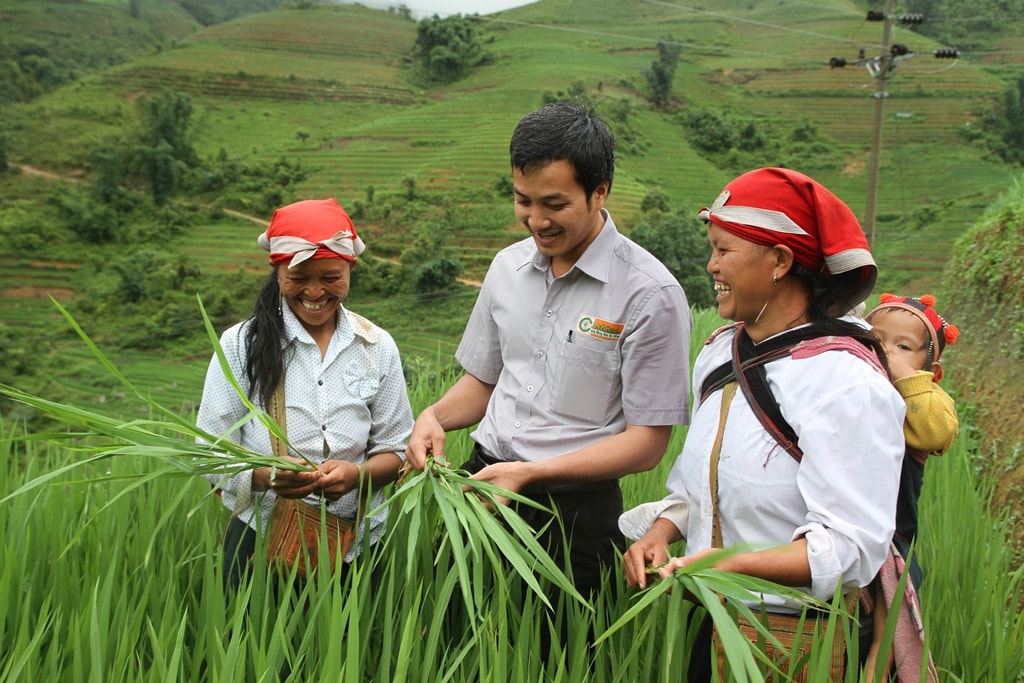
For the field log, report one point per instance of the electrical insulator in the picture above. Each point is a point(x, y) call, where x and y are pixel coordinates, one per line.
point(946, 53)
point(912, 19)
point(837, 62)
point(898, 50)
point(875, 15)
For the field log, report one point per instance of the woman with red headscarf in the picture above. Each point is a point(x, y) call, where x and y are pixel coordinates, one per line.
point(811, 506)
point(346, 403)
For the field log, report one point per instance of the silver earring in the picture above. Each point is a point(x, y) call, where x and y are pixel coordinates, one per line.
point(775, 279)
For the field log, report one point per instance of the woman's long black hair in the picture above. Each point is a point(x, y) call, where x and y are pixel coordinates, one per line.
point(264, 357)
point(824, 304)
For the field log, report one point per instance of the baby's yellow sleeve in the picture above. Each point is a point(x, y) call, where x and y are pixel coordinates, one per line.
point(931, 424)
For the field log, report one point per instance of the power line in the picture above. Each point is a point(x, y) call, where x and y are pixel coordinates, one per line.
point(881, 68)
point(738, 19)
point(702, 47)
point(885, 67)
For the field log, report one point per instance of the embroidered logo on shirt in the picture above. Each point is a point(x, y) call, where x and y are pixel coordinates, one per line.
point(599, 329)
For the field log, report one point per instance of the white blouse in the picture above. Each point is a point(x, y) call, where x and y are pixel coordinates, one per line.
point(355, 399)
point(841, 497)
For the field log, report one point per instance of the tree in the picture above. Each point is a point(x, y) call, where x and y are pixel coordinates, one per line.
point(106, 184)
point(18, 360)
point(165, 117)
point(708, 131)
point(430, 261)
point(1002, 128)
point(163, 153)
point(409, 183)
point(94, 221)
point(655, 200)
point(133, 275)
point(1013, 123)
point(680, 241)
point(448, 47)
point(160, 170)
point(662, 71)
point(437, 276)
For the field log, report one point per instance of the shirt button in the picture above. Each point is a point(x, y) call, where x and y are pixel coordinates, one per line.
point(518, 424)
point(320, 382)
point(323, 428)
point(539, 354)
point(529, 387)
point(548, 312)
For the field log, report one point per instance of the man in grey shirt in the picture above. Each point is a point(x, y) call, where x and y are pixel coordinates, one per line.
point(576, 353)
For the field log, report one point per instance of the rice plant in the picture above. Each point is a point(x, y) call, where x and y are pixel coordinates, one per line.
point(111, 571)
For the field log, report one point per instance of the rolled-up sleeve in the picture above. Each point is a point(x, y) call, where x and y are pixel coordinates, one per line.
point(853, 447)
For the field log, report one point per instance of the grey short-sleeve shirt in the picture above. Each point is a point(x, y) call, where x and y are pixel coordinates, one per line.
point(577, 358)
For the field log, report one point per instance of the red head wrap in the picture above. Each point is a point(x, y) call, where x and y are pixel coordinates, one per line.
point(772, 206)
point(311, 229)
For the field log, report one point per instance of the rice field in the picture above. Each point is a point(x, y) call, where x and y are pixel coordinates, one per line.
point(330, 88)
point(109, 572)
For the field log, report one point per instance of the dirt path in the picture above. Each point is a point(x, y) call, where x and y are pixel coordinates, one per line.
point(32, 170)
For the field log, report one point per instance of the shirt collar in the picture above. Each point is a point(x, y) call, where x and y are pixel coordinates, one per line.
point(294, 331)
point(596, 260)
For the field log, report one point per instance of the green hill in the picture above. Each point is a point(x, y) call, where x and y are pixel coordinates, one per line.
point(338, 75)
point(45, 44)
point(334, 89)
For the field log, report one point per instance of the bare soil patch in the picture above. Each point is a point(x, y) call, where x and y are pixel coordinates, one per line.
point(58, 293)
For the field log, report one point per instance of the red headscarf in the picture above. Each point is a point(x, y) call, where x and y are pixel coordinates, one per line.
point(311, 229)
point(772, 206)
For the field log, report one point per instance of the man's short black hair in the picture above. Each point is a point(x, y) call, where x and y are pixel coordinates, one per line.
point(569, 131)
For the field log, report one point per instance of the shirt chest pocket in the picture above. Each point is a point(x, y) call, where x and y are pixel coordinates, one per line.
point(586, 380)
point(361, 386)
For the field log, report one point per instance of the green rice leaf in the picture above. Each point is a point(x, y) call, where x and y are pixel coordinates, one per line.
point(177, 445)
point(475, 527)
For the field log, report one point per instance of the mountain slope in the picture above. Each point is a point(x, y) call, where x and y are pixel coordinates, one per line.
point(330, 86)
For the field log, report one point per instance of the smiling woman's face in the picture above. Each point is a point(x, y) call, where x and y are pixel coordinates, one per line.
point(314, 289)
point(742, 272)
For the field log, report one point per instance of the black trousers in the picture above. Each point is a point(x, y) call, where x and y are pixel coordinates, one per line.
point(587, 519)
point(239, 548)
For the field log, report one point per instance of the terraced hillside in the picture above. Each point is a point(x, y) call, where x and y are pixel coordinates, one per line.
point(333, 88)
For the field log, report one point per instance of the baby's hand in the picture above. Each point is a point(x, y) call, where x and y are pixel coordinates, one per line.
point(900, 368)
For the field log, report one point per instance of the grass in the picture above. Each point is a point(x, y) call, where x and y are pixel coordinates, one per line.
point(255, 88)
point(119, 578)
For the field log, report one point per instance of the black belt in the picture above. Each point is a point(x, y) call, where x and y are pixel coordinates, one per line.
point(480, 459)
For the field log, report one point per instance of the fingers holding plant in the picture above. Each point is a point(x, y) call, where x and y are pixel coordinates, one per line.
point(288, 483)
point(510, 476)
point(338, 478)
point(646, 554)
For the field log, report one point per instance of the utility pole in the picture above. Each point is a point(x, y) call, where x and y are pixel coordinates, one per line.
point(885, 66)
point(880, 68)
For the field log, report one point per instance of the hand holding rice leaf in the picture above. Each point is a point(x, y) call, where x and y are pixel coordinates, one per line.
point(725, 595)
point(473, 530)
point(174, 441)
